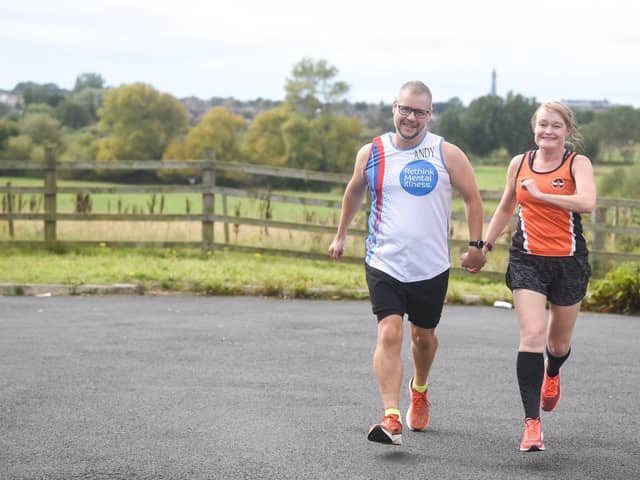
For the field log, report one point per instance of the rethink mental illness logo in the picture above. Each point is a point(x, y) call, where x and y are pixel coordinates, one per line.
point(419, 178)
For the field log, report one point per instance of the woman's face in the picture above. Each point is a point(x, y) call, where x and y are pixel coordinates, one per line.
point(550, 129)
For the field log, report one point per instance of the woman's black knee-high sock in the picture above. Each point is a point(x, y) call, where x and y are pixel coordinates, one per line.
point(530, 370)
point(554, 363)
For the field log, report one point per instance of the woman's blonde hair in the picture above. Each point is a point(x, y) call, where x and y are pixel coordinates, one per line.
point(574, 139)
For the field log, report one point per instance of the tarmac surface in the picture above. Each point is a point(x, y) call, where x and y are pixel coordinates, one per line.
point(189, 387)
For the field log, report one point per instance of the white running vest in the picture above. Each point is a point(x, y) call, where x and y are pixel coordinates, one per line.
point(410, 209)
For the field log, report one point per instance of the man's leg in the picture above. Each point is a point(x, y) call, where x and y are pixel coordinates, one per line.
point(424, 344)
point(387, 364)
point(387, 360)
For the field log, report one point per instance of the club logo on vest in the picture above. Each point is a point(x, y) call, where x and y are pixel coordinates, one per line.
point(419, 178)
point(557, 183)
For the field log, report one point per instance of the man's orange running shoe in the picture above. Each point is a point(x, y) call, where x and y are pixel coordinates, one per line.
point(532, 436)
point(418, 413)
point(550, 391)
point(388, 431)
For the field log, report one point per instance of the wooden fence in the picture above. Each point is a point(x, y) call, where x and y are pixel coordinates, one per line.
point(612, 216)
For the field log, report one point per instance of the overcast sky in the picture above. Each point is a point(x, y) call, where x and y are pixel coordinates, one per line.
point(547, 49)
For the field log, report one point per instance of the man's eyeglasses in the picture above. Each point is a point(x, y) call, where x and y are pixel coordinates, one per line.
point(418, 112)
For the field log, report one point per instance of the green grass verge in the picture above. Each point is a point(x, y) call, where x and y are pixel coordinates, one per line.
point(211, 273)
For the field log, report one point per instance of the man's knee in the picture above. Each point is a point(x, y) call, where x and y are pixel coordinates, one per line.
point(390, 331)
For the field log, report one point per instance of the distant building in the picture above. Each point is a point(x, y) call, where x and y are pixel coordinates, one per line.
point(14, 100)
point(594, 105)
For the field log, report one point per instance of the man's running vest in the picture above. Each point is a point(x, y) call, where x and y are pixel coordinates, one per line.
point(410, 209)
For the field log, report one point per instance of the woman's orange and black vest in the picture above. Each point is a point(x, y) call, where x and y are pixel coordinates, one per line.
point(544, 229)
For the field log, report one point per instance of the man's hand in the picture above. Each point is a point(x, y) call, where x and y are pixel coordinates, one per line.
point(473, 260)
point(336, 249)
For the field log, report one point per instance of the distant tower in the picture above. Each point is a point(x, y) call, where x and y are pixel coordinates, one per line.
point(493, 82)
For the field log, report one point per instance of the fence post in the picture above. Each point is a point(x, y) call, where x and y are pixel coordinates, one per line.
point(225, 213)
point(616, 222)
point(209, 183)
point(10, 209)
point(50, 190)
point(599, 218)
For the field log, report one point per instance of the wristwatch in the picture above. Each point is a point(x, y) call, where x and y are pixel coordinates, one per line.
point(478, 244)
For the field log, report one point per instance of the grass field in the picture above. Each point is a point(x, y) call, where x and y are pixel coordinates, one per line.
point(216, 272)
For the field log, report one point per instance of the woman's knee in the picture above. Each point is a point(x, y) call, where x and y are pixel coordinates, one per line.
point(532, 339)
point(558, 348)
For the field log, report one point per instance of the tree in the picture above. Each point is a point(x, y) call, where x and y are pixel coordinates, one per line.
point(48, 93)
point(89, 80)
point(80, 145)
point(516, 131)
point(8, 129)
point(42, 129)
point(89, 99)
point(312, 88)
point(18, 148)
point(297, 135)
point(42, 108)
point(449, 125)
point(618, 125)
point(482, 124)
point(139, 123)
point(218, 131)
point(338, 137)
point(264, 142)
point(72, 114)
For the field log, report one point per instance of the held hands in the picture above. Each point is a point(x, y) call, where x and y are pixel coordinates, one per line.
point(473, 260)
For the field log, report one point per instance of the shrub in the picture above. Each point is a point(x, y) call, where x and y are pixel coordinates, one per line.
point(617, 292)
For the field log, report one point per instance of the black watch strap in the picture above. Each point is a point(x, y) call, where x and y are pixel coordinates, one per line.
point(478, 244)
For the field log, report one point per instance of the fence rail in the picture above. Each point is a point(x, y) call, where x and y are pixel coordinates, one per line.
point(605, 223)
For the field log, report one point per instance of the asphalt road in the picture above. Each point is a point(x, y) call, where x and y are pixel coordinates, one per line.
point(182, 387)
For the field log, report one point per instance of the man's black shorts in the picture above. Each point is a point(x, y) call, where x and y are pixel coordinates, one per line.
point(563, 280)
point(421, 301)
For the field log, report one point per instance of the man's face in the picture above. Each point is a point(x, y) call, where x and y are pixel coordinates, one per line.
point(411, 114)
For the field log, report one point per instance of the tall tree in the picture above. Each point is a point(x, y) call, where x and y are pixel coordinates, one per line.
point(89, 80)
point(90, 99)
point(139, 123)
point(264, 142)
point(449, 125)
point(516, 131)
point(338, 138)
point(219, 131)
point(482, 124)
point(312, 87)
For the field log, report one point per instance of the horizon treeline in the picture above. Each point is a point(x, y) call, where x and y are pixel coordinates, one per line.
point(314, 128)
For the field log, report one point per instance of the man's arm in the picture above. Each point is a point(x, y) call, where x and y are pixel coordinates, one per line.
point(464, 181)
point(351, 202)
